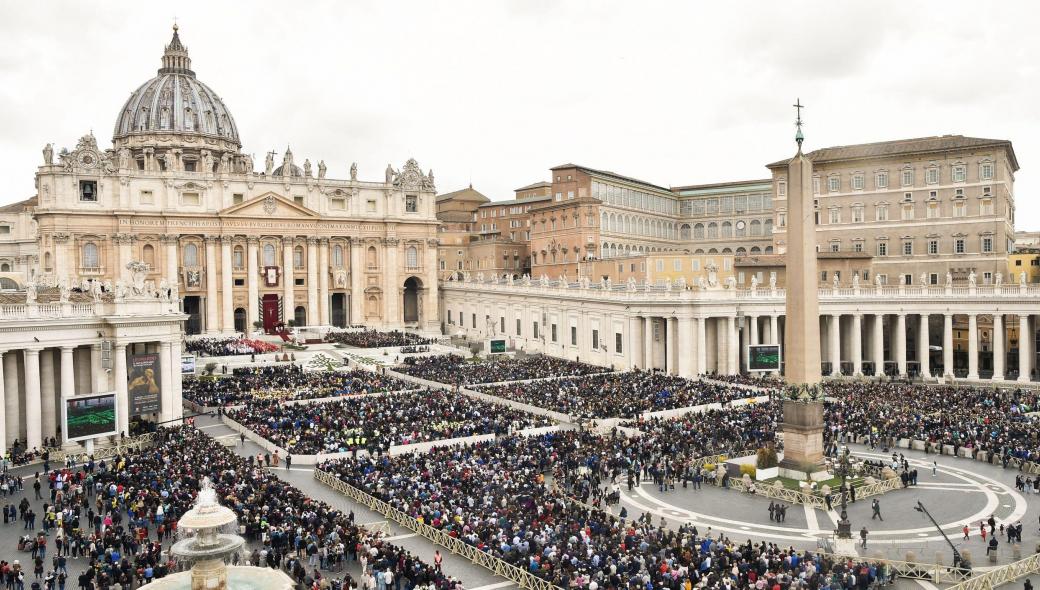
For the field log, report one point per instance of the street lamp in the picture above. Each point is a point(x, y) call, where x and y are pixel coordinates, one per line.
point(843, 468)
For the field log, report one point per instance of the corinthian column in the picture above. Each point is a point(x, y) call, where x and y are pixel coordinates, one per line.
point(323, 282)
point(430, 288)
point(357, 281)
point(227, 282)
point(288, 281)
point(33, 437)
point(211, 285)
point(392, 315)
point(252, 286)
point(312, 282)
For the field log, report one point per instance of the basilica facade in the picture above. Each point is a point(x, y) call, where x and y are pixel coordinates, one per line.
point(245, 250)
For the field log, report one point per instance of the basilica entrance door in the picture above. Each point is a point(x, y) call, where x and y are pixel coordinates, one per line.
point(271, 312)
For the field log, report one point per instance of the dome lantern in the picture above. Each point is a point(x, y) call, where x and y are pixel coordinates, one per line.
point(175, 59)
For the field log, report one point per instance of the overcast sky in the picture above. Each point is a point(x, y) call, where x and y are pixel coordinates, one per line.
point(497, 92)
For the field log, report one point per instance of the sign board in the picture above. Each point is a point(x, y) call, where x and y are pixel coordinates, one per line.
point(188, 364)
point(89, 416)
point(144, 387)
point(763, 357)
point(496, 346)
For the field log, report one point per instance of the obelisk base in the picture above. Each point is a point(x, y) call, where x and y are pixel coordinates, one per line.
point(803, 440)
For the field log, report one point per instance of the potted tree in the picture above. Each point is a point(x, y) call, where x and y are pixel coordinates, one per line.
point(766, 463)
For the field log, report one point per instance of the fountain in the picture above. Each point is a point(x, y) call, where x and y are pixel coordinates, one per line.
point(206, 547)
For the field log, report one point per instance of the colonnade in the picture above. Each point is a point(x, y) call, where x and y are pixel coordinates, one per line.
point(36, 381)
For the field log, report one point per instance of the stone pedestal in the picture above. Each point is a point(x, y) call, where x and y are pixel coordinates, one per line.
point(803, 439)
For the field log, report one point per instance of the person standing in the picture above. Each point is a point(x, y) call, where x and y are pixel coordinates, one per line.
point(863, 537)
point(876, 507)
point(935, 467)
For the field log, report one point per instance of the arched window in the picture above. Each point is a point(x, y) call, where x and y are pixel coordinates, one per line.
point(769, 249)
point(713, 231)
point(90, 256)
point(603, 220)
point(269, 255)
point(5, 267)
point(699, 251)
point(371, 257)
point(411, 257)
point(337, 256)
point(7, 284)
point(756, 227)
point(756, 250)
point(713, 251)
point(148, 255)
point(684, 231)
point(698, 231)
point(741, 251)
point(297, 257)
point(727, 251)
point(727, 229)
point(238, 258)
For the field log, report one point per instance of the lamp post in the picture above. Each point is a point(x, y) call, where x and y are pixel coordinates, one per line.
point(843, 467)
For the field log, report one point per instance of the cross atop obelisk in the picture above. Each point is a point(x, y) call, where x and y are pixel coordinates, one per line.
point(798, 137)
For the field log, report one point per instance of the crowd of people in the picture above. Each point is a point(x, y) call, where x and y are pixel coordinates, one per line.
point(116, 521)
point(453, 369)
point(374, 423)
point(994, 421)
point(376, 339)
point(230, 346)
point(624, 395)
point(756, 380)
point(284, 382)
point(499, 498)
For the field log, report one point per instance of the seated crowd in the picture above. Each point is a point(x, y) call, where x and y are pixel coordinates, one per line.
point(455, 370)
point(376, 339)
point(374, 423)
point(122, 516)
point(756, 380)
point(228, 346)
point(495, 497)
point(284, 382)
point(985, 419)
point(623, 395)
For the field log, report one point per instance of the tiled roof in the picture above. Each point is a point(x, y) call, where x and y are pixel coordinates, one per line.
point(541, 184)
point(919, 145)
point(19, 206)
point(610, 174)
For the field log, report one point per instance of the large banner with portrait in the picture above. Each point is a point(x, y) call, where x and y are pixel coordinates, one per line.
point(144, 387)
point(89, 416)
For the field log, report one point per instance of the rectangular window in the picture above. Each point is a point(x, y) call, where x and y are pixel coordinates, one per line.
point(908, 177)
point(240, 282)
point(958, 173)
point(857, 182)
point(987, 278)
point(933, 176)
point(908, 212)
point(450, 321)
point(502, 324)
point(933, 246)
point(517, 326)
point(595, 340)
point(677, 265)
point(881, 213)
point(835, 246)
point(816, 185)
point(857, 215)
point(337, 204)
point(986, 172)
point(908, 248)
point(618, 340)
point(781, 189)
point(660, 265)
point(987, 244)
point(299, 282)
point(298, 200)
point(833, 184)
point(958, 246)
point(881, 179)
point(473, 319)
point(933, 210)
point(933, 279)
point(882, 249)
point(552, 332)
point(908, 279)
point(237, 198)
point(574, 335)
point(88, 191)
point(857, 247)
point(411, 204)
point(190, 198)
point(960, 208)
point(986, 207)
point(370, 206)
point(189, 166)
point(835, 216)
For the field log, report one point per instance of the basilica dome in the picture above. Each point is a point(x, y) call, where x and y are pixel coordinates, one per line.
point(175, 102)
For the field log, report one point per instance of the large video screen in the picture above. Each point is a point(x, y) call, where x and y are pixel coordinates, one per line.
point(764, 357)
point(90, 416)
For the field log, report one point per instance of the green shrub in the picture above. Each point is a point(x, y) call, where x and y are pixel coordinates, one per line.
point(766, 458)
point(748, 469)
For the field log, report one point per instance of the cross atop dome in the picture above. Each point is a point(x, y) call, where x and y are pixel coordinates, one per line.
point(175, 58)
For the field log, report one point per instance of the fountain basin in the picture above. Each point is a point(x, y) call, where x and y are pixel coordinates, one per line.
point(239, 577)
point(212, 547)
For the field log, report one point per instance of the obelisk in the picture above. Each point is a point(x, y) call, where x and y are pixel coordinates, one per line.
point(803, 417)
